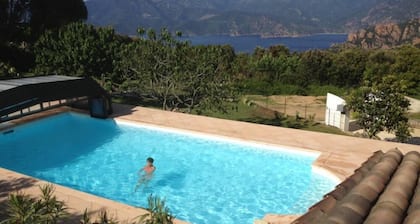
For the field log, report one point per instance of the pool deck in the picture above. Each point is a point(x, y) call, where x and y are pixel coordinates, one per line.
point(339, 155)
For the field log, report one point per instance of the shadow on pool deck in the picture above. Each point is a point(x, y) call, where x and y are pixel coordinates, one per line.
point(15, 185)
point(12, 186)
point(123, 110)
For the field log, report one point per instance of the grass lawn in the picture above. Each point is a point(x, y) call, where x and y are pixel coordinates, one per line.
point(325, 129)
point(414, 116)
point(415, 96)
point(243, 112)
point(239, 111)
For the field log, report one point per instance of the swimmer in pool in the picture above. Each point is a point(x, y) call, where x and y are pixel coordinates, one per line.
point(146, 173)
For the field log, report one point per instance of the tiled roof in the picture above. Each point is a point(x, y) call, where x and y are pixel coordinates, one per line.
point(384, 190)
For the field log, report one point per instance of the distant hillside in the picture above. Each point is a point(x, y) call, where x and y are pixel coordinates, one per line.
point(242, 17)
point(387, 35)
point(393, 11)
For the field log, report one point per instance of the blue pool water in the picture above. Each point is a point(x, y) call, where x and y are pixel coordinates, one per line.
point(204, 180)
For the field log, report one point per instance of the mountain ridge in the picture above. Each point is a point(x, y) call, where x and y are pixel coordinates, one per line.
point(249, 17)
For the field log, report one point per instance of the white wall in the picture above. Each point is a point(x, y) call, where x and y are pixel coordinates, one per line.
point(335, 114)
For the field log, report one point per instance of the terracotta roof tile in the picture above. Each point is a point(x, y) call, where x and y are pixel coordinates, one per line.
point(385, 189)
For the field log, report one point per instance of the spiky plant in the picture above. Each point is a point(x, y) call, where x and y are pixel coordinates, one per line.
point(105, 219)
point(158, 212)
point(85, 218)
point(102, 218)
point(24, 209)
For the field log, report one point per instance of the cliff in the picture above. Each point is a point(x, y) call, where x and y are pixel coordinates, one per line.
point(387, 35)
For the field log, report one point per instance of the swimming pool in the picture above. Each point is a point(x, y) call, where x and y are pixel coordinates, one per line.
point(204, 179)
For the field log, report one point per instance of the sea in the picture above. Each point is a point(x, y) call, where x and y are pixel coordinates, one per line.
point(247, 44)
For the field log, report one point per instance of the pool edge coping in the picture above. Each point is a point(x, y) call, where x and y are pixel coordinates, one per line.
point(277, 147)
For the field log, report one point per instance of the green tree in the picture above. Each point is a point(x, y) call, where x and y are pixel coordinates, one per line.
point(378, 65)
point(14, 33)
point(314, 67)
point(161, 69)
point(6, 70)
point(152, 65)
point(23, 21)
point(241, 66)
point(347, 68)
point(382, 106)
point(52, 14)
point(207, 83)
point(278, 50)
point(13, 19)
point(407, 66)
point(77, 49)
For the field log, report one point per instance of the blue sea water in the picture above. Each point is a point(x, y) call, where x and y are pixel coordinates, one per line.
point(204, 180)
point(247, 44)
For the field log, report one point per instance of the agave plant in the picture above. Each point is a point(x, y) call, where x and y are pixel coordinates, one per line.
point(51, 208)
point(103, 218)
point(24, 209)
point(158, 212)
point(46, 209)
point(20, 209)
point(85, 218)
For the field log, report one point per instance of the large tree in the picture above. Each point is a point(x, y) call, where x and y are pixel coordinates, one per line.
point(23, 21)
point(38, 15)
point(206, 83)
point(77, 49)
point(382, 106)
point(52, 14)
point(14, 15)
point(161, 69)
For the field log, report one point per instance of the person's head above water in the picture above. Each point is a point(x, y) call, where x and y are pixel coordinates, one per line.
point(150, 160)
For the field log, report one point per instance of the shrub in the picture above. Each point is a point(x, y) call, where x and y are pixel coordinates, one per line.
point(158, 212)
point(46, 209)
point(103, 218)
point(22, 208)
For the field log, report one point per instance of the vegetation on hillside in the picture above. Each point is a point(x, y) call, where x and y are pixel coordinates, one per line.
point(158, 68)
